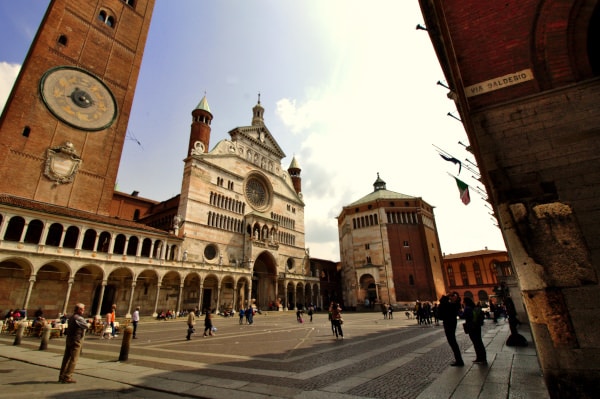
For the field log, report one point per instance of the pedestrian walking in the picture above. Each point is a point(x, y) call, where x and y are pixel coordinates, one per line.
point(448, 309)
point(336, 320)
point(250, 315)
point(191, 322)
point(108, 328)
point(113, 317)
point(299, 315)
point(331, 318)
point(473, 316)
point(242, 314)
point(75, 333)
point(135, 318)
point(208, 326)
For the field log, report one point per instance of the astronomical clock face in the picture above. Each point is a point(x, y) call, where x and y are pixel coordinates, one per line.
point(78, 98)
point(257, 193)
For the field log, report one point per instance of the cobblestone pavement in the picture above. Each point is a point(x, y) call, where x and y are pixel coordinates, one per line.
point(376, 359)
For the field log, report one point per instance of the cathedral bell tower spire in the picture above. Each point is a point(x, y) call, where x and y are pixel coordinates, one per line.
point(257, 114)
point(200, 130)
point(379, 184)
point(294, 171)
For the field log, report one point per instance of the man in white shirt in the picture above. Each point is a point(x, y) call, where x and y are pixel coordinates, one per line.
point(134, 320)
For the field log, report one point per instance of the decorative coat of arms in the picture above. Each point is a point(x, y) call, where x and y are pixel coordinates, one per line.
point(62, 163)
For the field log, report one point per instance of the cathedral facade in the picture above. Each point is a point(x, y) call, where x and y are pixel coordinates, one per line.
point(233, 237)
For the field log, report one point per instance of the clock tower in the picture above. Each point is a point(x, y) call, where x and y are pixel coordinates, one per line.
point(64, 125)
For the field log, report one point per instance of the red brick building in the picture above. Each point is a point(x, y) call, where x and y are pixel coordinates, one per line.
point(70, 105)
point(389, 249)
point(525, 77)
point(473, 274)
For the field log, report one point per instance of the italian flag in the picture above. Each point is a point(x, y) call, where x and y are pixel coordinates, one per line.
point(463, 188)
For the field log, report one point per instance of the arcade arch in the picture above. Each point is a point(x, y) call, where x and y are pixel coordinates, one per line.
point(264, 280)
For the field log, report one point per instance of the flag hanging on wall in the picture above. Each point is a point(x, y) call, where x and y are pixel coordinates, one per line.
point(463, 188)
point(453, 160)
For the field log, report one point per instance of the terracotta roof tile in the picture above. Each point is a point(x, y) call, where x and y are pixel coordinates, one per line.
point(474, 253)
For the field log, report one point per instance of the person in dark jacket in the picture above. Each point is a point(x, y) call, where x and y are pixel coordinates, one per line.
point(448, 310)
point(473, 316)
point(208, 326)
point(75, 333)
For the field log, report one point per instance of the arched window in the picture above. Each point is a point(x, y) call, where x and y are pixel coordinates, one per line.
point(483, 296)
point(14, 229)
point(463, 274)
point(62, 40)
point(451, 279)
point(107, 19)
point(71, 237)
point(89, 238)
point(34, 232)
point(104, 242)
point(119, 247)
point(132, 246)
point(146, 247)
point(477, 271)
point(54, 234)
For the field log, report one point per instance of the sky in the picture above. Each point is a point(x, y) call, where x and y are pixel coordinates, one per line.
point(350, 88)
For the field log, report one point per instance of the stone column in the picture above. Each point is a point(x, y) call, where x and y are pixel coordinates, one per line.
point(69, 287)
point(200, 296)
point(80, 239)
point(62, 238)
point(111, 244)
point(24, 232)
point(29, 289)
point(95, 249)
point(5, 221)
point(235, 296)
point(44, 235)
point(104, 283)
point(125, 246)
point(219, 288)
point(559, 289)
point(157, 296)
point(295, 295)
point(249, 297)
point(180, 297)
point(128, 314)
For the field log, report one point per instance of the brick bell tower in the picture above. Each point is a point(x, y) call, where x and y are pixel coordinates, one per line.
point(64, 124)
point(200, 129)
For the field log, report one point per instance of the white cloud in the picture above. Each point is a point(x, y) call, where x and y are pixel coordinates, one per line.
point(357, 95)
point(8, 74)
